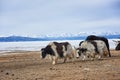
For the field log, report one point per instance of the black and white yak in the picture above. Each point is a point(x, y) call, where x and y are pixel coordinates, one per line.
point(93, 37)
point(92, 49)
point(58, 50)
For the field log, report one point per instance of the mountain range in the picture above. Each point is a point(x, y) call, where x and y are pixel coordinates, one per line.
point(65, 36)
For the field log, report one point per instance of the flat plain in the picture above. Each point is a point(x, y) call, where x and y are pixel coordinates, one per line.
point(27, 65)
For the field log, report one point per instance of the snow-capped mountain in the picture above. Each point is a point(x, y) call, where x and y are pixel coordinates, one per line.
point(63, 36)
point(80, 34)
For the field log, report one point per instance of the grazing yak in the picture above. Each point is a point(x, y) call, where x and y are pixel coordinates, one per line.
point(58, 50)
point(92, 49)
point(93, 37)
point(117, 45)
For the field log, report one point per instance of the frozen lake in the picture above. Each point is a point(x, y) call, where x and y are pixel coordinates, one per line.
point(37, 45)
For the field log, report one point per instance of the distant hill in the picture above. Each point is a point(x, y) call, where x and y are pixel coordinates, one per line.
point(47, 38)
point(18, 38)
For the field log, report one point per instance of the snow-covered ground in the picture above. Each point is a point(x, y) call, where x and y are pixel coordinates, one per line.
point(37, 45)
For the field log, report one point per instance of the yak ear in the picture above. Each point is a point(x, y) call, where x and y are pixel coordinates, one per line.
point(42, 49)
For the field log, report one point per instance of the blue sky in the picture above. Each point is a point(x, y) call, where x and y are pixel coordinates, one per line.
point(41, 17)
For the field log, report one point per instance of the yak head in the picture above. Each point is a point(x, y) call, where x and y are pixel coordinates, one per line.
point(43, 53)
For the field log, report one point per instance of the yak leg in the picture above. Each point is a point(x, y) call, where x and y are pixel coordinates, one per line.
point(54, 60)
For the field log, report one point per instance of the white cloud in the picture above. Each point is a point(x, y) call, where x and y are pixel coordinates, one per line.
point(44, 16)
